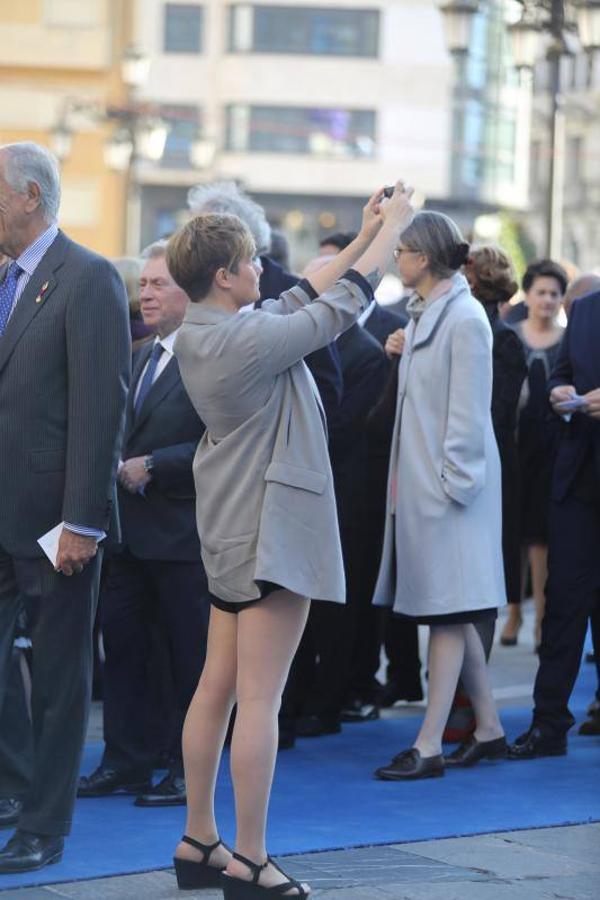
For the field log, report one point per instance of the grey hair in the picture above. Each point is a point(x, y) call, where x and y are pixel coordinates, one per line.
point(227, 197)
point(28, 163)
point(440, 239)
point(155, 250)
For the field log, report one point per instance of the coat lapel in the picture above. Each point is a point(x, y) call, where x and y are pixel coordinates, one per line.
point(35, 296)
point(432, 316)
point(165, 383)
point(140, 360)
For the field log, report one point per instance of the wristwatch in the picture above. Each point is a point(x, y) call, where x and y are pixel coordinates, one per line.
point(148, 464)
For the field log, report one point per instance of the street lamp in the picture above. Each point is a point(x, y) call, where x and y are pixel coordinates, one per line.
point(588, 20)
point(458, 20)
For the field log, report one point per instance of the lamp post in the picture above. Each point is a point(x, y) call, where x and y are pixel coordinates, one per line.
point(544, 28)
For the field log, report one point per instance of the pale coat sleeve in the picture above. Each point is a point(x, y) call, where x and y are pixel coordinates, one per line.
point(283, 340)
point(290, 301)
point(469, 399)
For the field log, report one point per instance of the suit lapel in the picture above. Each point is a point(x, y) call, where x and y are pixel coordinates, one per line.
point(35, 296)
point(166, 381)
point(140, 360)
point(430, 319)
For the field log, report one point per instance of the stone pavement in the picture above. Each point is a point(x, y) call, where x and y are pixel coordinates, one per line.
point(544, 864)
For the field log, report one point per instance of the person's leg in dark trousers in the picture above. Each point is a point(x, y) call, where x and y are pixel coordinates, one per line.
point(61, 683)
point(126, 599)
point(16, 750)
point(401, 641)
point(571, 597)
point(184, 609)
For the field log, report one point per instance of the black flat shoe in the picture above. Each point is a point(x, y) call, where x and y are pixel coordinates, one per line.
point(105, 781)
point(198, 874)
point(239, 889)
point(317, 725)
point(10, 810)
point(533, 744)
point(473, 750)
point(410, 765)
point(27, 852)
point(168, 792)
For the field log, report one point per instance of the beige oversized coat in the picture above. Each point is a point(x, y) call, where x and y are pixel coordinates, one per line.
point(442, 546)
point(265, 503)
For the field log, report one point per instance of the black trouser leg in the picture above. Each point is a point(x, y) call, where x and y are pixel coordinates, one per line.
point(184, 609)
point(16, 751)
point(571, 597)
point(401, 638)
point(61, 687)
point(126, 599)
point(595, 624)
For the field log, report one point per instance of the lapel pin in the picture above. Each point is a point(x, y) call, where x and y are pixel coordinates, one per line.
point(43, 290)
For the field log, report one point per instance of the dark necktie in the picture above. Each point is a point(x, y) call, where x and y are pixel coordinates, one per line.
point(7, 294)
point(157, 352)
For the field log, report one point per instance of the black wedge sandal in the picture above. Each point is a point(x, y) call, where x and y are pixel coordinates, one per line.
point(238, 889)
point(192, 874)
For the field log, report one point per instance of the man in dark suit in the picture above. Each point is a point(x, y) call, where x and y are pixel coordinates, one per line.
point(159, 572)
point(64, 371)
point(573, 587)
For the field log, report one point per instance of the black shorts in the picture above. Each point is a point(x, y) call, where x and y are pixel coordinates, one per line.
point(469, 617)
point(266, 588)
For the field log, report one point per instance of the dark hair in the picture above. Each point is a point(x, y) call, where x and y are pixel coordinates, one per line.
point(492, 273)
point(544, 268)
point(339, 239)
point(205, 244)
point(440, 239)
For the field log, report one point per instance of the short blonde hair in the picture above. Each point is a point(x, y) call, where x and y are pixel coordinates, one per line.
point(202, 246)
point(493, 274)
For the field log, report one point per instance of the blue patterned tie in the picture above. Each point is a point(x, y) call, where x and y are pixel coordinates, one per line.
point(157, 352)
point(7, 294)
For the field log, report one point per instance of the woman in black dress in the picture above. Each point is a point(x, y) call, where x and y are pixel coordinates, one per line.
point(544, 284)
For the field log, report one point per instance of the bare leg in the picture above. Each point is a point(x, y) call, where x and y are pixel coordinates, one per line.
point(475, 678)
point(538, 560)
point(446, 653)
point(204, 734)
point(268, 636)
point(513, 623)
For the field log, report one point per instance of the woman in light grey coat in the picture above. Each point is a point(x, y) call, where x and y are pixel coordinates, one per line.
point(265, 506)
point(442, 557)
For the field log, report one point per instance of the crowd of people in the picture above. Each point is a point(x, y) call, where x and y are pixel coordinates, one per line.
point(281, 439)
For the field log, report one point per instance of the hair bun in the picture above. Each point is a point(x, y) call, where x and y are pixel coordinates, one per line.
point(460, 255)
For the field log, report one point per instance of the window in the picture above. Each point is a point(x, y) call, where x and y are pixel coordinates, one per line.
point(317, 132)
point(310, 30)
point(184, 127)
point(183, 28)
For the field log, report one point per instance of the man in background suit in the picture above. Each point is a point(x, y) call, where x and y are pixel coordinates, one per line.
point(573, 587)
point(64, 371)
point(159, 572)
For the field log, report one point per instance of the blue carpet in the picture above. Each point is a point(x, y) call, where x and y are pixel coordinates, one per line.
point(325, 797)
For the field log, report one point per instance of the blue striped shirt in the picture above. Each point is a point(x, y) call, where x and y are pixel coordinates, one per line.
point(28, 261)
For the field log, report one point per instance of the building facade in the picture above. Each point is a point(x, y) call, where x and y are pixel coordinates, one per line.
point(55, 52)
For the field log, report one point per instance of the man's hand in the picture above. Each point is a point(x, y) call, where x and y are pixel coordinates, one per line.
point(132, 474)
point(394, 346)
point(74, 552)
point(561, 394)
point(592, 403)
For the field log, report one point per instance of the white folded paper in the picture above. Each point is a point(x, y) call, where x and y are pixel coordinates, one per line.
point(49, 542)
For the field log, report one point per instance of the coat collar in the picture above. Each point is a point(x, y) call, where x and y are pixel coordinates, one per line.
point(433, 314)
point(36, 294)
point(203, 314)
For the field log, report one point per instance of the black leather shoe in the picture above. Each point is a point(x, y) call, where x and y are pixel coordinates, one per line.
point(533, 744)
point(591, 726)
point(10, 810)
point(315, 726)
point(168, 792)
point(358, 711)
point(26, 852)
point(473, 750)
point(410, 765)
point(105, 781)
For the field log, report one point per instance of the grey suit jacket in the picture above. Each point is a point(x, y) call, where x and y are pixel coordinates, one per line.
point(265, 503)
point(64, 371)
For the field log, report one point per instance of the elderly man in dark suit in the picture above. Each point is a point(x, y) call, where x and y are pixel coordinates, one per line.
point(64, 371)
point(159, 574)
point(573, 587)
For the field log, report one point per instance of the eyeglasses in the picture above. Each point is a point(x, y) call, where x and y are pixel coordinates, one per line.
point(399, 250)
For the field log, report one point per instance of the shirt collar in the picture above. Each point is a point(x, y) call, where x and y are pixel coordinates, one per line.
point(31, 257)
point(168, 342)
